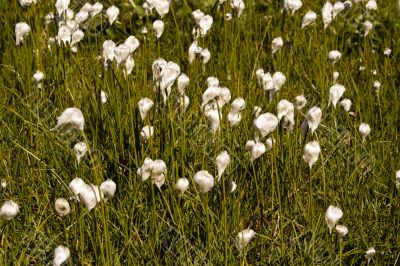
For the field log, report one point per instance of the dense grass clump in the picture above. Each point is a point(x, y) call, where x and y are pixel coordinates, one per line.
point(280, 196)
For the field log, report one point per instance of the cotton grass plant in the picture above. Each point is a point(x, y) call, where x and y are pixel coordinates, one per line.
point(156, 128)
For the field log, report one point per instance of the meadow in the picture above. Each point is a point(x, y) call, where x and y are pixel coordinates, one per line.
point(204, 138)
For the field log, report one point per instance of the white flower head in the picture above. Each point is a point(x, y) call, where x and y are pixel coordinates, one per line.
point(9, 210)
point(346, 104)
point(213, 116)
point(335, 76)
point(367, 25)
point(265, 124)
point(238, 6)
point(387, 51)
point(108, 189)
point(121, 53)
point(159, 169)
point(364, 130)
point(70, 119)
point(222, 161)
point(311, 153)
point(292, 5)
point(76, 37)
point(96, 9)
point(182, 82)
point(370, 253)
point(112, 14)
point(327, 14)
point(61, 255)
point(80, 150)
point(314, 116)
point(89, 196)
point(38, 77)
point(205, 24)
point(3, 183)
point(81, 16)
point(371, 5)
point(162, 7)
point(335, 93)
point(277, 44)
point(61, 6)
point(64, 35)
point(397, 180)
point(197, 15)
point(145, 104)
point(76, 186)
point(182, 185)
point(108, 51)
point(337, 8)
point(300, 102)
point(145, 170)
point(128, 66)
point(194, 49)
point(133, 43)
point(285, 109)
point(146, 133)
point(206, 55)
point(244, 237)
point(103, 96)
point(21, 31)
point(62, 207)
point(341, 230)
point(308, 19)
point(332, 216)
point(334, 56)
point(158, 27)
point(204, 181)
point(256, 149)
point(169, 74)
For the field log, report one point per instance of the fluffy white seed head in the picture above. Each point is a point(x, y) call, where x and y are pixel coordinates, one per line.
point(346, 104)
point(308, 19)
point(265, 124)
point(62, 207)
point(21, 31)
point(327, 14)
point(108, 189)
point(145, 104)
point(335, 93)
point(158, 27)
point(334, 56)
point(61, 255)
point(70, 119)
point(244, 237)
point(314, 116)
point(332, 216)
point(182, 185)
point(112, 14)
point(311, 153)
point(9, 210)
point(204, 181)
point(222, 161)
point(277, 44)
point(341, 230)
point(370, 253)
point(300, 102)
point(146, 133)
point(364, 130)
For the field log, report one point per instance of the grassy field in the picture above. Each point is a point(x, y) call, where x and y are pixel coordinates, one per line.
point(278, 195)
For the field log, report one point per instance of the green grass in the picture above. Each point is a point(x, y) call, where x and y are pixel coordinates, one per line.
point(277, 195)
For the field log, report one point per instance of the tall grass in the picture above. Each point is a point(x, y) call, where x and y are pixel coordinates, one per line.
point(278, 196)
